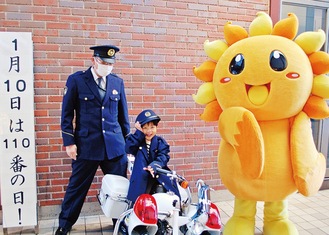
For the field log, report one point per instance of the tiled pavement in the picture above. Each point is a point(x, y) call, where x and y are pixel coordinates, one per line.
point(310, 214)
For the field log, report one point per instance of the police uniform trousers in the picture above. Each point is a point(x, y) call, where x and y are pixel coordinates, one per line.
point(83, 172)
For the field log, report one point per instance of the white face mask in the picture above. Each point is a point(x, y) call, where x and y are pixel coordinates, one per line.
point(104, 70)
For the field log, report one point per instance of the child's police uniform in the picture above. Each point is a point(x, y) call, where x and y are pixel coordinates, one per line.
point(156, 157)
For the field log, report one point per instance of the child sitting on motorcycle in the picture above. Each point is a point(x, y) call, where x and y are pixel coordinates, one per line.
point(151, 152)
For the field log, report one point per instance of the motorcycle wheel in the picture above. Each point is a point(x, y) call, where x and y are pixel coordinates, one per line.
point(205, 233)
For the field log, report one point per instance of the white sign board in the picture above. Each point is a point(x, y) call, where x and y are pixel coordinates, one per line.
point(17, 142)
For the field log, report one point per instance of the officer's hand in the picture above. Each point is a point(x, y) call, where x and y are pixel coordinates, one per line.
point(71, 151)
point(150, 169)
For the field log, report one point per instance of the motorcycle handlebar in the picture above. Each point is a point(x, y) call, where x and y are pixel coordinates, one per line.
point(172, 174)
point(163, 171)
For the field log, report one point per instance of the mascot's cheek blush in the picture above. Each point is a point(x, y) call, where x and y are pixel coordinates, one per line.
point(292, 75)
point(225, 80)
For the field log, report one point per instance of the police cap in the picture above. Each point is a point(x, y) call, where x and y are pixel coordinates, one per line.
point(105, 52)
point(147, 116)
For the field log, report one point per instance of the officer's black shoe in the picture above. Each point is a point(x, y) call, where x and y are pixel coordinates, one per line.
point(62, 231)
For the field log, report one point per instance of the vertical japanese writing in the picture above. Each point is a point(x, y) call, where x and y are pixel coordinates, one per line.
point(18, 184)
point(15, 103)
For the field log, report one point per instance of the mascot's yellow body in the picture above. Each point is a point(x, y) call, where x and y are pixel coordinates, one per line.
point(263, 87)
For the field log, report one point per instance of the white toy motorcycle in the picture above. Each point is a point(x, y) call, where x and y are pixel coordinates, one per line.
point(162, 213)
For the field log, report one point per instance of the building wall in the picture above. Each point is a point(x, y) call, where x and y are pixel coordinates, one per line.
point(160, 43)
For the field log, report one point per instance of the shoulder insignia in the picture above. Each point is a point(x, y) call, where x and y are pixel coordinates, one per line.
point(65, 90)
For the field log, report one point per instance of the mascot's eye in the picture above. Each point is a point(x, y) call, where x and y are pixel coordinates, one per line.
point(237, 64)
point(278, 61)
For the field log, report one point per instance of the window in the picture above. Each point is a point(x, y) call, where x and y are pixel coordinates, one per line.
point(312, 15)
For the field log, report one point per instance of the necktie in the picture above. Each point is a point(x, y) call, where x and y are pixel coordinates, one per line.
point(101, 89)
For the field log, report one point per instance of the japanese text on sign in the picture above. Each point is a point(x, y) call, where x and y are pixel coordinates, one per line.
point(17, 142)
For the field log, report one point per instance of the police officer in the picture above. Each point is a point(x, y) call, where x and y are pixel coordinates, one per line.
point(94, 126)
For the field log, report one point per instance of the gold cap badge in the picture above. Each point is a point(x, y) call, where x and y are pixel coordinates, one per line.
point(111, 52)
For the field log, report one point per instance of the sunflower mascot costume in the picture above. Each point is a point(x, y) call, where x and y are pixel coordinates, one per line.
point(263, 86)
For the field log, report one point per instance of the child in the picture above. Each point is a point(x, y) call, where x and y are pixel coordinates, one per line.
point(151, 152)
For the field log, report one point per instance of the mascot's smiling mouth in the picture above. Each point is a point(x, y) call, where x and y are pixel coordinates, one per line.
point(258, 94)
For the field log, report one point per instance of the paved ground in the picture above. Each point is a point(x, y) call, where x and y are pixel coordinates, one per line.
point(310, 214)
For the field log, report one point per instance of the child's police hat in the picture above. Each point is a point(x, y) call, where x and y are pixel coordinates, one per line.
point(147, 116)
point(105, 52)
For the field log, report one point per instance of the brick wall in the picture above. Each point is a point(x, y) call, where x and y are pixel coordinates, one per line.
point(160, 42)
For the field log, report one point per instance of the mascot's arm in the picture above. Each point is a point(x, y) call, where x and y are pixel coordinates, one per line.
point(308, 164)
point(239, 128)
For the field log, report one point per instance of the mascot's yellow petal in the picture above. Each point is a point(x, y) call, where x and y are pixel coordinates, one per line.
point(321, 86)
point(211, 112)
point(234, 33)
point(311, 41)
point(205, 71)
point(205, 94)
point(214, 49)
point(258, 94)
point(316, 108)
point(261, 25)
point(287, 27)
point(320, 62)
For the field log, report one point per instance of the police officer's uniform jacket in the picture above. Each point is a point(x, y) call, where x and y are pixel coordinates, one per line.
point(101, 124)
point(158, 156)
